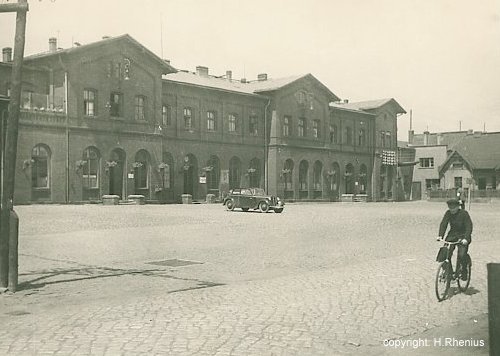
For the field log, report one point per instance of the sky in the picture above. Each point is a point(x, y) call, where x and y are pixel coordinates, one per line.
point(438, 58)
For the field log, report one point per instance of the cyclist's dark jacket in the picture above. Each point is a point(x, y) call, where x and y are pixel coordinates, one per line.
point(460, 226)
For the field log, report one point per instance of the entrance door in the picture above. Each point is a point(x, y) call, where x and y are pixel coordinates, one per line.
point(188, 180)
point(116, 179)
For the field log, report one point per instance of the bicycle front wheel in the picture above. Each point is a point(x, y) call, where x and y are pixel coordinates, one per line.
point(443, 279)
point(464, 284)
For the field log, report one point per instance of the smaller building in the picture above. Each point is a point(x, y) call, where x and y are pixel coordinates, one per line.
point(452, 161)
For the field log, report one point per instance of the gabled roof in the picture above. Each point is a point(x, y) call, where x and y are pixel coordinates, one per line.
point(279, 83)
point(371, 104)
point(103, 42)
point(479, 151)
point(252, 88)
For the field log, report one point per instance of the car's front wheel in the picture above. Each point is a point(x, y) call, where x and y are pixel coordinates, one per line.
point(264, 206)
point(230, 205)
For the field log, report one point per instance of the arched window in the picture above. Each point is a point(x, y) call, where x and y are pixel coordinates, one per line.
point(90, 168)
point(141, 170)
point(40, 169)
point(234, 173)
point(303, 175)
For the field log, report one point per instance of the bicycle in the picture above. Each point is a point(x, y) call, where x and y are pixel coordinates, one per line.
point(445, 273)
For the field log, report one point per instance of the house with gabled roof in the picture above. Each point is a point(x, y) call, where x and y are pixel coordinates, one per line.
point(113, 118)
point(474, 163)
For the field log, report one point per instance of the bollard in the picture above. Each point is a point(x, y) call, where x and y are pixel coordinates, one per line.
point(13, 249)
point(187, 198)
point(494, 307)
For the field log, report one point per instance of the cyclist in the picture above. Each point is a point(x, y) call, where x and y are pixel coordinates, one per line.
point(460, 230)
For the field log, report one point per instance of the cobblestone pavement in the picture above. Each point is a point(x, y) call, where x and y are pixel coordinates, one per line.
point(319, 279)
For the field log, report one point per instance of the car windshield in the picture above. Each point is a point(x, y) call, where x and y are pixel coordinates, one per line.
point(258, 191)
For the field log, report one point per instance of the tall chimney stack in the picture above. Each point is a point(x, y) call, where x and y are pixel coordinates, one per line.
point(7, 54)
point(52, 44)
point(202, 71)
point(229, 75)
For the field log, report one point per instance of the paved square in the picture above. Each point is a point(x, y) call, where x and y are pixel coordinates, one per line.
point(319, 279)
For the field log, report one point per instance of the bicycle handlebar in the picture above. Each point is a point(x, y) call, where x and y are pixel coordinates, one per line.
point(450, 243)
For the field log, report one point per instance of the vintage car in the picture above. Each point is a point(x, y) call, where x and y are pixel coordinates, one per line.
point(252, 198)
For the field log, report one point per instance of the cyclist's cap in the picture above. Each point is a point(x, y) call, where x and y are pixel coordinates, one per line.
point(453, 202)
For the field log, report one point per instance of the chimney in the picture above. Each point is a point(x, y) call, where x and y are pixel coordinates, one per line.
point(52, 44)
point(7, 54)
point(346, 101)
point(470, 132)
point(202, 71)
point(229, 75)
point(262, 77)
point(426, 138)
point(243, 80)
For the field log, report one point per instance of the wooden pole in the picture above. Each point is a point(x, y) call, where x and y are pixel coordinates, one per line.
point(11, 141)
point(21, 6)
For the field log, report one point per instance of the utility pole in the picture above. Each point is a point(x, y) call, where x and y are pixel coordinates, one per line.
point(8, 243)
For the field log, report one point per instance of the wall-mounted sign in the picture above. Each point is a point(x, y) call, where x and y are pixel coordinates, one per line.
point(131, 175)
point(203, 180)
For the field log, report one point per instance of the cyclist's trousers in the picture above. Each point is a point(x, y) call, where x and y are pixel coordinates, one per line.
point(462, 252)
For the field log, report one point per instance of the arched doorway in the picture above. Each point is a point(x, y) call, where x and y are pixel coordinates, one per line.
point(141, 167)
point(115, 167)
point(254, 173)
point(167, 170)
point(363, 179)
point(288, 179)
point(303, 179)
point(90, 163)
point(190, 169)
point(234, 173)
point(212, 172)
point(349, 179)
point(317, 180)
point(333, 175)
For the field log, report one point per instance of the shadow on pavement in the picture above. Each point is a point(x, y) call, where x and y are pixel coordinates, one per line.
point(69, 275)
point(470, 291)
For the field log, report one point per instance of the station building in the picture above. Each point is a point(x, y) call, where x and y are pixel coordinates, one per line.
point(111, 117)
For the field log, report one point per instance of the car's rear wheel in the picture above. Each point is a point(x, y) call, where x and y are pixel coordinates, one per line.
point(263, 206)
point(230, 205)
point(244, 209)
point(278, 210)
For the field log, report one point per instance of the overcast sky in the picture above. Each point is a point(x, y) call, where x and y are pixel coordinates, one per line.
point(439, 58)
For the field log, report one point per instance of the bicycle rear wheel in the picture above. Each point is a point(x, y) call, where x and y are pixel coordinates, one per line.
point(463, 285)
point(443, 279)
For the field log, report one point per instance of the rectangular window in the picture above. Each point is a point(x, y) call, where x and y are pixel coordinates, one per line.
point(316, 128)
point(89, 102)
point(211, 121)
point(458, 182)
point(348, 135)
point(233, 123)
point(140, 107)
point(117, 70)
point(253, 125)
point(116, 105)
point(301, 128)
point(286, 126)
point(333, 134)
point(426, 162)
point(188, 119)
point(166, 115)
